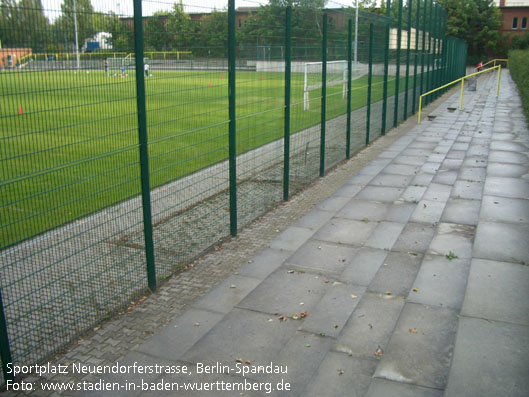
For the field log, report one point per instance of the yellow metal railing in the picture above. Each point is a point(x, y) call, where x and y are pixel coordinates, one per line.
point(462, 80)
point(494, 62)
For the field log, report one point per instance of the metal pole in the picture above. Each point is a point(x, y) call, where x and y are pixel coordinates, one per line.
point(349, 76)
point(408, 45)
point(423, 47)
point(416, 60)
point(397, 72)
point(75, 31)
point(143, 146)
point(323, 94)
point(286, 165)
point(232, 142)
point(369, 81)
point(5, 350)
point(356, 36)
point(386, 69)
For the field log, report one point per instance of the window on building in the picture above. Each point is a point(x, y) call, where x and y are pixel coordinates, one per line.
point(524, 23)
point(515, 23)
point(240, 23)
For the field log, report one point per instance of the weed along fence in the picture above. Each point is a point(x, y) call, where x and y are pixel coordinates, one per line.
point(117, 171)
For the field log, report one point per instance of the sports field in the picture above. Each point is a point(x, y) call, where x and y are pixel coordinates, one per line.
point(70, 140)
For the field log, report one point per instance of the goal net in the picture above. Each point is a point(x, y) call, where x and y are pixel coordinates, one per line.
point(336, 75)
point(127, 62)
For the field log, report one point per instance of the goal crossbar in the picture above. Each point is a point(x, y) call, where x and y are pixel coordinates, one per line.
point(341, 71)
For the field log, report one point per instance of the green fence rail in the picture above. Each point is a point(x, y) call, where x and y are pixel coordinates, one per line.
point(119, 170)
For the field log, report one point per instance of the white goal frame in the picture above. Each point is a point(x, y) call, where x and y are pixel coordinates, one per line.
point(307, 87)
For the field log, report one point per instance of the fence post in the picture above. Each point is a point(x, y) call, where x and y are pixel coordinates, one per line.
point(323, 94)
point(349, 78)
point(434, 50)
point(408, 44)
point(286, 164)
point(386, 68)
point(429, 56)
point(369, 81)
point(143, 146)
point(5, 350)
point(423, 46)
point(232, 131)
point(397, 72)
point(416, 56)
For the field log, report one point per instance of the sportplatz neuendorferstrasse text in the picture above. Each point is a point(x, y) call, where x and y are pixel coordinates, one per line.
point(137, 368)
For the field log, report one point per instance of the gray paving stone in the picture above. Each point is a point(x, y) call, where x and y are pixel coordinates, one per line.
point(364, 266)
point(345, 231)
point(287, 292)
point(452, 237)
point(460, 146)
point(436, 158)
point(507, 170)
point(422, 179)
point(242, 334)
point(413, 193)
point(461, 211)
point(400, 211)
point(410, 160)
point(506, 242)
point(501, 209)
point(264, 263)
point(333, 311)
point(498, 136)
point(364, 210)
point(371, 170)
point(437, 192)
point(421, 358)
point(302, 355)
point(508, 146)
point(314, 219)
point(383, 388)
point(292, 238)
point(445, 177)
point(341, 375)
point(390, 180)
point(475, 161)
point(456, 154)
point(361, 179)
point(440, 282)
point(225, 296)
point(490, 359)
point(428, 212)
point(333, 203)
point(467, 190)
point(415, 237)
point(472, 174)
point(506, 187)
point(498, 291)
point(397, 274)
point(478, 150)
point(385, 235)
point(173, 340)
point(379, 193)
point(430, 167)
point(499, 156)
point(322, 257)
point(416, 152)
point(348, 190)
point(401, 169)
point(370, 326)
point(451, 164)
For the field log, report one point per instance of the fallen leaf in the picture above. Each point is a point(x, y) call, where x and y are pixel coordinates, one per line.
point(326, 281)
point(416, 290)
point(197, 324)
point(270, 320)
point(299, 316)
point(340, 372)
point(412, 330)
point(353, 296)
point(233, 286)
point(283, 318)
point(239, 360)
point(247, 362)
point(307, 345)
point(290, 271)
point(335, 325)
point(388, 293)
point(379, 352)
point(370, 326)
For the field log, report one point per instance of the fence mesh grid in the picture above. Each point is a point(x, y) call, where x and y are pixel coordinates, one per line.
point(73, 179)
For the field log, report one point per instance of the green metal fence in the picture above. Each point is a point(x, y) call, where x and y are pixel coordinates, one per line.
point(118, 171)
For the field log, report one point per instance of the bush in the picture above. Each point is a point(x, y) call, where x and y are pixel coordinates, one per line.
point(518, 61)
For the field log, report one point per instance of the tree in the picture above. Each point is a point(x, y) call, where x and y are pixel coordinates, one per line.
point(156, 37)
point(213, 34)
point(23, 24)
point(475, 21)
point(121, 37)
point(87, 22)
point(179, 27)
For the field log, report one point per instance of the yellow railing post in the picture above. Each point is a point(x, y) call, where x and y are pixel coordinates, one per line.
point(420, 108)
point(462, 87)
point(498, 85)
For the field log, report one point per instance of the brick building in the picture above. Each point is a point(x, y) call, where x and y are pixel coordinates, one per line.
point(515, 17)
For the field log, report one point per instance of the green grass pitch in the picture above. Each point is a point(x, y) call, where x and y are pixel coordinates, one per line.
point(70, 140)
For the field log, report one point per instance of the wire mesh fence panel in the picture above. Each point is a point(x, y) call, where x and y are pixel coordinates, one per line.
point(132, 143)
point(70, 178)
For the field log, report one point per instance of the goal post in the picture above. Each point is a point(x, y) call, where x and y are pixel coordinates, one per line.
point(336, 75)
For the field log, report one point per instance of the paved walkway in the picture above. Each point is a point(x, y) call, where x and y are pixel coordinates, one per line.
point(410, 280)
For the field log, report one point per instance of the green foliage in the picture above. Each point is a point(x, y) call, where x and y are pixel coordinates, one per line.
point(155, 36)
point(23, 24)
point(520, 42)
point(121, 38)
point(213, 35)
point(518, 61)
point(475, 21)
point(180, 29)
point(86, 22)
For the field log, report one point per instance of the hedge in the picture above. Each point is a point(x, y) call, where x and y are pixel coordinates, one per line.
point(519, 68)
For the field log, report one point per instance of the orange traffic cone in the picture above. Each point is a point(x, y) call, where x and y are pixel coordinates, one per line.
point(20, 110)
point(221, 76)
point(261, 77)
point(209, 84)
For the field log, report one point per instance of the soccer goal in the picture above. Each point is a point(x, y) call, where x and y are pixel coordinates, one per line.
point(336, 75)
point(129, 62)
